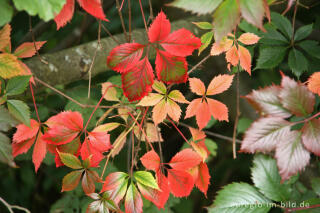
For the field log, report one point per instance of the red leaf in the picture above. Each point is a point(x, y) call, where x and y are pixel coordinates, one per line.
point(22, 147)
point(185, 159)
point(311, 136)
point(63, 127)
point(27, 49)
point(180, 182)
point(89, 151)
point(24, 132)
point(71, 180)
point(159, 29)
point(100, 140)
point(125, 56)
point(133, 203)
point(39, 151)
point(65, 14)
point(137, 82)
point(314, 83)
point(181, 43)
point(264, 134)
point(170, 68)
point(203, 180)
point(291, 156)
point(93, 7)
point(151, 160)
point(201, 110)
point(163, 194)
point(218, 110)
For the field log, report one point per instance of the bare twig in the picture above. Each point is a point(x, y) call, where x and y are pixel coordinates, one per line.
point(234, 147)
point(151, 17)
point(143, 17)
point(122, 21)
point(198, 64)
point(34, 42)
point(11, 207)
point(110, 35)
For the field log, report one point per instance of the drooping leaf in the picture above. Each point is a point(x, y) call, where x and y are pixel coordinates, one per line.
point(39, 151)
point(200, 110)
point(266, 101)
point(106, 127)
point(270, 57)
point(266, 178)
point(125, 56)
point(180, 182)
point(146, 179)
point(245, 59)
point(297, 62)
point(5, 39)
point(94, 8)
point(170, 68)
point(159, 29)
point(219, 84)
point(71, 180)
point(296, 97)
point(6, 151)
point(151, 160)
point(113, 181)
point(314, 83)
point(181, 43)
point(206, 6)
point(137, 82)
point(25, 132)
point(159, 112)
point(17, 85)
point(311, 136)
point(205, 40)
point(133, 202)
point(19, 110)
point(253, 11)
point(303, 32)
point(70, 160)
point(197, 86)
point(111, 93)
point(232, 56)
point(291, 156)
point(9, 66)
point(223, 46)
point(89, 179)
point(203, 180)
point(28, 49)
point(218, 110)
point(65, 14)
point(247, 200)
point(264, 134)
point(248, 38)
point(225, 18)
point(185, 159)
point(93, 152)
point(151, 130)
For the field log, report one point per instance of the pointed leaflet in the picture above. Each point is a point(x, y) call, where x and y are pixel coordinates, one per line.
point(71, 180)
point(201, 110)
point(39, 151)
point(265, 176)
point(9, 66)
point(245, 59)
point(94, 8)
point(28, 49)
point(159, 29)
point(159, 87)
point(5, 37)
point(296, 97)
point(197, 86)
point(264, 134)
point(25, 132)
point(248, 38)
point(63, 127)
point(311, 136)
point(180, 182)
point(146, 179)
point(151, 130)
point(111, 93)
point(176, 95)
point(6, 151)
point(232, 56)
point(116, 185)
point(89, 179)
point(291, 156)
point(170, 68)
point(248, 200)
point(173, 110)
point(219, 84)
point(203, 180)
point(314, 83)
point(185, 159)
point(218, 110)
point(181, 43)
point(90, 151)
point(219, 47)
point(266, 101)
point(70, 160)
point(159, 112)
point(19, 110)
point(125, 56)
point(65, 14)
point(137, 82)
point(133, 202)
point(253, 12)
point(225, 18)
point(151, 99)
point(151, 160)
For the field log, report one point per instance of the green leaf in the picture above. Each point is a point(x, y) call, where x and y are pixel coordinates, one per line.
point(6, 12)
point(266, 178)
point(6, 151)
point(311, 47)
point(197, 6)
point(270, 57)
point(19, 110)
point(70, 160)
point(17, 85)
point(46, 9)
point(273, 37)
point(297, 62)
point(205, 40)
point(252, 11)
point(303, 32)
point(146, 178)
point(204, 25)
point(211, 146)
point(315, 183)
point(71, 180)
point(240, 197)
point(243, 124)
point(283, 24)
point(6, 120)
point(225, 18)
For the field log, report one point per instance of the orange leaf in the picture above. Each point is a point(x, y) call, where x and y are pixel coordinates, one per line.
point(197, 86)
point(173, 110)
point(39, 151)
point(224, 45)
point(159, 112)
point(5, 38)
point(245, 59)
point(219, 84)
point(193, 108)
point(9, 66)
point(232, 56)
point(151, 99)
point(28, 49)
point(248, 38)
point(314, 83)
point(111, 94)
point(197, 134)
point(218, 110)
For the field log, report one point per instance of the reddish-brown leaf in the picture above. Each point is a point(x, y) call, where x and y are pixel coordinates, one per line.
point(218, 110)
point(28, 49)
point(22, 147)
point(223, 46)
point(65, 14)
point(88, 181)
point(71, 180)
point(24, 132)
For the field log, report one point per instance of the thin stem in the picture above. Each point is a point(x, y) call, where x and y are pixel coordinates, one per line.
point(234, 147)
point(132, 153)
point(130, 20)
point(122, 21)
point(306, 120)
point(34, 102)
point(105, 166)
point(143, 16)
point(182, 135)
point(151, 17)
point(10, 207)
point(109, 34)
point(198, 64)
point(34, 42)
